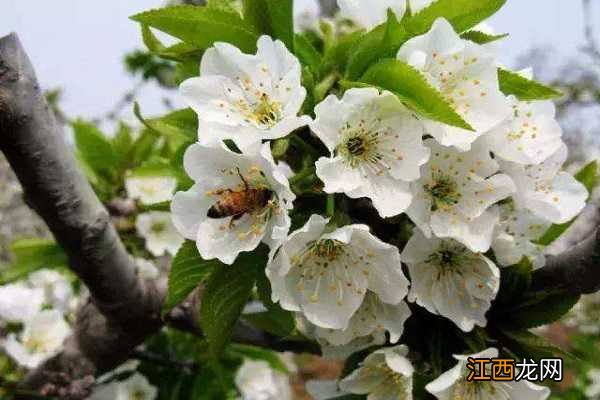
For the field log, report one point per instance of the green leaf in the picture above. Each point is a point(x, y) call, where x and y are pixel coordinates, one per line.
point(177, 52)
point(413, 90)
point(272, 17)
point(32, 255)
point(94, 147)
point(525, 344)
point(588, 176)
point(275, 320)
point(226, 293)
point(515, 281)
point(481, 37)
point(201, 26)
point(226, 5)
point(122, 142)
point(541, 307)
point(336, 56)
point(180, 124)
point(382, 42)
point(462, 14)
point(524, 89)
point(307, 54)
point(153, 167)
point(258, 353)
point(188, 270)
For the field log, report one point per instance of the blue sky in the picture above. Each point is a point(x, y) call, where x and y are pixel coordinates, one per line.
point(79, 45)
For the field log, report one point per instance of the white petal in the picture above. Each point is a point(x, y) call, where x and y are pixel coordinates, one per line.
point(385, 270)
point(373, 14)
point(476, 233)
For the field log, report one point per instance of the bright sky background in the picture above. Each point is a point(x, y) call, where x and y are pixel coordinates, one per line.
point(78, 45)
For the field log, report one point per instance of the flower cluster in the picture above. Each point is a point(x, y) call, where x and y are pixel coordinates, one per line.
point(478, 198)
point(38, 310)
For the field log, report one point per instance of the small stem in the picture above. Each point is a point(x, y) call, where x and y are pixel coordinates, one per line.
point(330, 205)
point(300, 176)
point(302, 145)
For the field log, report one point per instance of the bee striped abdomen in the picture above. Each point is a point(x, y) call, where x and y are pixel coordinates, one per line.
point(234, 204)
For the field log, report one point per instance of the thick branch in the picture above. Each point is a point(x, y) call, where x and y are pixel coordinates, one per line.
point(577, 269)
point(54, 187)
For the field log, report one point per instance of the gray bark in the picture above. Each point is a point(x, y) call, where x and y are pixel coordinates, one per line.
point(124, 310)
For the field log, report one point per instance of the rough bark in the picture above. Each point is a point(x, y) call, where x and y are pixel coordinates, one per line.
point(125, 309)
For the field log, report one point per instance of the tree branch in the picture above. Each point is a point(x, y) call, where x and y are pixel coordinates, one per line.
point(577, 270)
point(125, 309)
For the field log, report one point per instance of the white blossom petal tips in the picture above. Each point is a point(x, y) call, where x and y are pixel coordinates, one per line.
point(325, 276)
point(516, 237)
point(547, 191)
point(150, 189)
point(466, 75)
point(453, 384)
point(385, 374)
point(454, 197)
point(449, 280)
point(246, 98)
point(19, 303)
point(370, 14)
point(256, 380)
point(41, 339)
point(376, 148)
point(529, 136)
point(238, 201)
point(159, 233)
point(366, 328)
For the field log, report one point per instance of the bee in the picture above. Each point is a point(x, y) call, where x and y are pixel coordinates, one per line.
point(237, 203)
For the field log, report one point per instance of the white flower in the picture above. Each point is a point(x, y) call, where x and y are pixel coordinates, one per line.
point(376, 148)
point(466, 74)
point(19, 303)
point(136, 387)
point(516, 235)
point(159, 232)
point(150, 189)
point(238, 201)
point(455, 193)
point(449, 280)
point(529, 136)
point(246, 98)
point(593, 389)
point(57, 288)
point(418, 5)
point(385, 374)
point(256, 380)
point(146, 269)
point(372, 13)
point(366, 328)
point(547, 191)
point(41, 339)
point(306, 14)
point(326, 275)
point(453, 384)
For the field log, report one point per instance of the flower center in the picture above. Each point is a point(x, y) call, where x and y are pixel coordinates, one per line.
point(137, 395)
point(443, 192)
point(329, 262)
point(364, 146)
point(476, 390)
point(267, 112)
point(398, 383)
point(450, 256)
point(158, 227)
point(34, 345)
